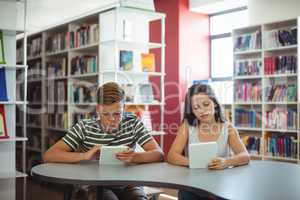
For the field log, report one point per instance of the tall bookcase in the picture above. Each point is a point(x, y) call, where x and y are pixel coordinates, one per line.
point(75, 57)
point(14, 99)
point(266, 81)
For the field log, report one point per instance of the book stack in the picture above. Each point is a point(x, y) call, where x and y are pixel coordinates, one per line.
point(247, 67)
point(247, 42)
point(281, 37)
point(57, 42)
point(84, 35)
point(281, 92)
point(34, 47)
point(281, 145)
point(281, 118)
point(83, 93)
point(84, 64)
point(57, 67)
point(249, 118)
point(252, 144)
point(248, 91)
point(280, 64)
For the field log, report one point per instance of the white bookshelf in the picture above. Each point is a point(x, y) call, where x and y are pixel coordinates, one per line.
point(267, 75)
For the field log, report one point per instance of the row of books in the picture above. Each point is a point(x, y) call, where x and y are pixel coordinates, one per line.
point(252, 144)
point(83, 93)
point(34, 47)
point(34, 140)
point(247, 118)
point(35, 70)
point(76, 117)
point(3, 89)
point(57, 91)
point(280, 64)
point(57, 67)
point(83, 64)
point(282, 146)
point(281, 92)
point(57, 42)
point(281, 118)
point(247, 42)
point(35, 96)
point(58, 120)
point(3, 125)
point(147, 61)
point(281, 37)
point(33, 119)
point(84, 35)
point(247, 67)
point(248, 91)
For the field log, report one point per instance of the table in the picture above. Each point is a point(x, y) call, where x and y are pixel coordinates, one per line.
point(260, 180)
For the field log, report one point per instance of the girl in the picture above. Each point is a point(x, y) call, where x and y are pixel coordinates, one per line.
point(204, 121)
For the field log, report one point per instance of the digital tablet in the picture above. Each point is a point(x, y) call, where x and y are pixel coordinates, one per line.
point(200, 154)
point(108, 155)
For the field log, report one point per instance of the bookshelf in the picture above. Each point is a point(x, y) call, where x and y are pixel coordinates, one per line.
point(266, 79)
point(75, 57)
point(9, 102)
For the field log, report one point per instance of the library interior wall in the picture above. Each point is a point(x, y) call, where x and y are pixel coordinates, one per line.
point(272, 10)
point(187, 44)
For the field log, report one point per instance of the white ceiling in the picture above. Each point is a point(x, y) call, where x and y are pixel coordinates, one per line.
point(214, 6)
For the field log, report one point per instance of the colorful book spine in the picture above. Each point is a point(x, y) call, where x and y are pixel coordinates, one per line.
point(84, 64)
point(247, 42)
point(252, 144)
point(248, 91)
point(3, 127)
point(248, 118)
point(57, 42)
point(34, 47)
point(281, 92)
point(247, 67)
point(281, 118)
point(83, 93)
point(3, 88)
point(57, 67)
point(281, 146)
point(84, 35)
point(280, 64)
point(281, 37)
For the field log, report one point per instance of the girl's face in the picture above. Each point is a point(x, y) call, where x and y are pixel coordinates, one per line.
point(203, 108)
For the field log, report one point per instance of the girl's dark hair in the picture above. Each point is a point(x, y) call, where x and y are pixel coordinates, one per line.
point(188, 111)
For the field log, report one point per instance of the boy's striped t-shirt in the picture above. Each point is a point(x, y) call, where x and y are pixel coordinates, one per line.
point(88, 132)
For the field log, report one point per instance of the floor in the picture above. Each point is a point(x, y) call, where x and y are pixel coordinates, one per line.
point(37, 190)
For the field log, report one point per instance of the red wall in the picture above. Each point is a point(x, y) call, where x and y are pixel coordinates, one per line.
point(187, 44)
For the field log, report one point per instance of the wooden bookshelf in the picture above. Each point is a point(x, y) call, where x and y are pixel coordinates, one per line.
point(267, 55)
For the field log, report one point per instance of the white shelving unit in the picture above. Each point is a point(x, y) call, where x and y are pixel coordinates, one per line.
point(265, 77)
point(9, 26)
point(106, 50)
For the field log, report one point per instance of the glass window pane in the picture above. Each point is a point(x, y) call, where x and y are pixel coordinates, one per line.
point(225, 23)
point(221, 57)
point(223, 91)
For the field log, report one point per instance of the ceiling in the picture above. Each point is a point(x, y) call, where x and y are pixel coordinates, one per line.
point(214, 6)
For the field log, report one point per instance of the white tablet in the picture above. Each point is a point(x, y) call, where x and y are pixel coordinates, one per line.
point(108, 155)
point(200, 154)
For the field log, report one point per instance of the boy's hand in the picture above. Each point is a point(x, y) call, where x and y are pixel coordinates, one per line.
point(92, 153)
point(126, 156)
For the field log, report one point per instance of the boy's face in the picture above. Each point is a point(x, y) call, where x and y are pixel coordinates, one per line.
point(110, 115)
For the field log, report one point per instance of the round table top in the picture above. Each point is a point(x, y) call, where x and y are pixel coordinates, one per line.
point(260, 180)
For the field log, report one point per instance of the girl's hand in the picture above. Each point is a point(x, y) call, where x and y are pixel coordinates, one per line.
point(217, 164)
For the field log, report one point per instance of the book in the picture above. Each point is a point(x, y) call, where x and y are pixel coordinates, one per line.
point(148, 62)
point(144, 93)
point(126, 60)
point(2, 56)
point(3, 89)
point(3, 128)
point(200, 154)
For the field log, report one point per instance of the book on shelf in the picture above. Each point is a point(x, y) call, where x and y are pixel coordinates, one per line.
point(34, 71)
point(144, 93)
point(56, 91)
point(248, 118)
point(3, 88)
point(252, 144)
point(2, 54)
point(248, 41)
point(83, 93)
point(281, 118)
point(281, 92)
point(58, 120)
point(130, 91)
point(83, 64)
point(148, 62)
point(247, 67)
point(57, 67)
point(57, 42)
point(126, 60)
point(34, 47)
point(85, 34)
point(3, 127)
point(285, 64)
point(142, 113)
point(281, 37)
point(34, 141)
point(281, 145)
point(248, 91)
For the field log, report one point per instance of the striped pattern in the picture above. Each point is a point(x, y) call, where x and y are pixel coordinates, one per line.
point(88, 132)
